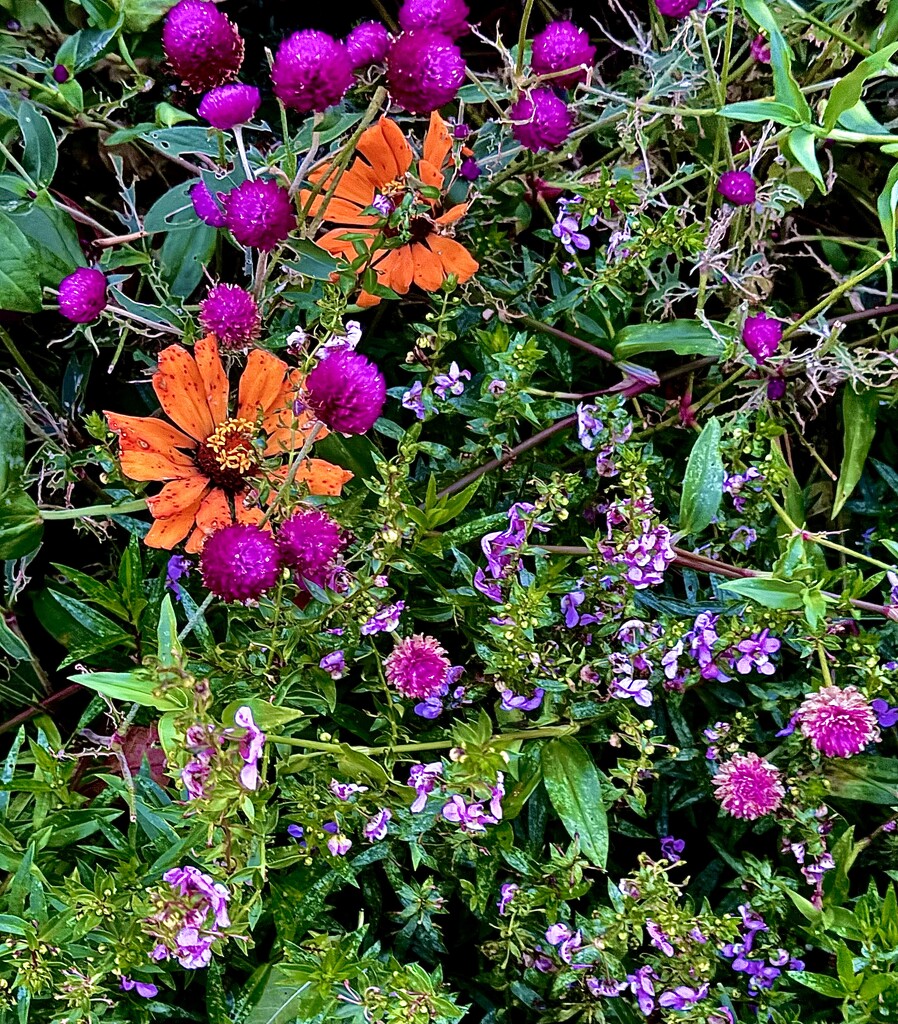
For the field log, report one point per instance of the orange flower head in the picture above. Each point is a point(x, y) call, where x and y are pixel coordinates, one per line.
point(212, 464)
point(408, 239)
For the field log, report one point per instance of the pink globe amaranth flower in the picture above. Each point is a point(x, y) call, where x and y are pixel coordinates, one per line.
point(367, 44)
point(206, 207)
point(240, 562)
point(201, 44)
point(676, 8)
point(231, 314)
point(760, 49)
point(737, 187)
point(562, 45)
point(227, 106)
point(309, 542)
point(425, 70)
point(259, 213)
point(542, 120)
point(82, 295)
point(417, 667)
point(762, 335)
point(748, 787)
point(346, 392)
point(447, 16)
point(839, 723)
point(312, 71)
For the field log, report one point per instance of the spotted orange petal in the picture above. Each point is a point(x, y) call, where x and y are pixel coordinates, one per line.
point(428, 268)
point(396, 269)
point(323, 477)
point(214, 512)
point(174, 508)
point(453, 214)
point(156, 466)
point(384, 147)
point(430, 175)
point(437, 143)
point(208, 362)
point(341, 211)
point(147, 434)
point(166, 533)
point(182, 392)
point(455, 257)
point(260, 384)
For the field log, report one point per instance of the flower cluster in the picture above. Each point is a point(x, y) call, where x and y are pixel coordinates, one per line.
point(189, 918)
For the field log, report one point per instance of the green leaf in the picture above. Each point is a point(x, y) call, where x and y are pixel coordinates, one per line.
point(684, 337)
point(168, 647)
point(83, 49)
point(184, 255)
point(20, 289)
point(313, 262)
point(761, 110)
point(279, 1002)
point(847, 91)
point(802, 142)
point(141, 14)
point(888, 30)
point(138, 687)
point(702, 481)
point(12, 440)
point(786, 595)
point(786, 89)
point(77, 626)
point(39, 154)
point(52, 239)
point(886, 205)
point(172, 210)
point(21, 526)
point(268, 717)
point(845, 968)
point(859, 119)
point(859, 411)
point(574, 786)
point(821, 983)
point(870, 779)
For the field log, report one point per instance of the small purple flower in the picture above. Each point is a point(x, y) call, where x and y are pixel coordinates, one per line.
point(743, 537)
point(641, 985)
point(228, 106)
point(672, 848)
point(682, 997)
point(61, 74)
point(376, 827)
point(606, 987)
point(570, 608)
point(339, 846)
point(469, 169)
point(383, 205)
point(82, 295)
point(471, 817)
point(514, 702)
point(384, 620)
point(589, 426)
point(367, 44)
point(760, 50)
point(506, 895)
point(297, 832)
point(737, 187)
point(886, 716)
point(423, 778)
point(452, 382)
point(762, 335)
point(334, 664)
point(178, 567)
point(251, 745)
point(143, 988)
point(346, 790)
point(497, 387)
point(754, 654)
point(413, 400)
point(567, 230)
point(659, 938)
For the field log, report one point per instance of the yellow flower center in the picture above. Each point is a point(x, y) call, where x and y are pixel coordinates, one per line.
point(229, 454)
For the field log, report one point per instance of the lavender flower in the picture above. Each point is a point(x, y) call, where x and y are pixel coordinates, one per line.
point(413, 400)
point(143, 988)
point(471, 817)
point(345, 790)
point(754, 654)
point(659, 938)
point(672, 848)
point(641, 985)
point(452, 382)
point(682, 997)
point(423, 778)
point(514, 702)
point(339, 845)
point(178, 567)
point(376, 827)
point(251, 744)
point(384, 620)
point(506, 895)
point(886, 716)
point(334, 664)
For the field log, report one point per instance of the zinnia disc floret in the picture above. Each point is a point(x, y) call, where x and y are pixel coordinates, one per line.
point(311, 71)
point(201, 44)
point(417, 667)
point(309, 543)
point(748, 787)
point(346, 392)
point(240, 562)
point(838, 722)
point(82, 295)
point(231, 314)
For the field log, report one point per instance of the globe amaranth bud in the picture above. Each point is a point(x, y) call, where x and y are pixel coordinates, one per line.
point(61, 74)
point(345, 391)
point(676, 8)
point(425, 70)
point(760, 50)
point(201, 44)
point(230, 105)
point(205, 206)
point(762, 335)
point(240, 562)
point(231, 314)
point(446, 16)
point(82, 295)
point(309, 542)
point(367, 44)
point(737, 187)
point(559, 46)
point(541, 120)
point(259, 213)
point(311, 72)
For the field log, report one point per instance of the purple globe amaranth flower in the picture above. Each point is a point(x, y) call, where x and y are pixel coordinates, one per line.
point(559, 46)
point(676, 8)
point(227, 106)
point(417, 667)
point(748, 787)
point(82, 295)
point(240, 562)
point(311, 71)
point(469, 170)
point(309, 542)
point(776, 389)
point(737, 187)
point(425, 70)
point(346, 391)
point(760, 50)
point(206, 206)
point(61, 74)
point(259, 213)
point(231, 314)
point(762, 335)
point(839, 723)
point(367, 43)
point(446, 16)
point(541, 120)
point(201, 44)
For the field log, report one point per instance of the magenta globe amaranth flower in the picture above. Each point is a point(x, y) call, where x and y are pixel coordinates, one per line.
point(760, 50)
point(676, 8)
point(312, 71)
point(309, 542)
point(762, 335)
point(240, 562)
point(425, 70)
point(206, 207)
point(201, 44)
point(259, 213)
point(559, 46)
point(228, 106)
point(447, 16)
point(61, 74)
point(737, 187)
point(541, 120)
point(748, 787)
point(231, 314)
point(82, 295)
point(417, 667)
point(367, 44)
point(346, 391)
point(839, 723)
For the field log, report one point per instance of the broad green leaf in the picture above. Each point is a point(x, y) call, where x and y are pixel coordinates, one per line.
point(684, 337)
point(702, 481)
point(761, 110)
point(20, 289)
point(141, 14)
point(278, 1003)
point(847, 91)
point(821, 983)
point(12, 440)
point(168, 647)
point(888, 30)
point(12, 644)
point(786, 89)
point(172, 210)
point(802, 142)
point(21, 526)
point(39, 154)
point(786, 595)
point(859, 119)
point(138, 687)
point(886, 205)
point(313, 262)
point(574, 786)
point(78, 627)
point(184, 255)
point(268, 717)
point(52, 239)
point(867, 778)
point(859, 411)
point(82, 49)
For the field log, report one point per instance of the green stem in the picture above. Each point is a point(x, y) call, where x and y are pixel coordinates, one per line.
point(29, 374)
point(835, 33)
point(836, 293)
point(294, 468)
point(522, 37)
point(137, 505)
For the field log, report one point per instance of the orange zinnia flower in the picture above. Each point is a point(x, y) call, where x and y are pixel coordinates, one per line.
point(420, 253)
point(208, 460)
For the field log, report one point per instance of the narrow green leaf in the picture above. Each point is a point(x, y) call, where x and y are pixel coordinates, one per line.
point(859, 411)
point(21, 526)
point(703, 481)
point(786, 595)
point(821, 983)
point(886, 205)
point(12, 440)
point(802, 144)
point(20, 289)
point(137, 687)
point(761, 110)
point(786, 89)
point(574, 786)
point(168, 647)
point(39, 154)
point(847, 91)
point(684, 337)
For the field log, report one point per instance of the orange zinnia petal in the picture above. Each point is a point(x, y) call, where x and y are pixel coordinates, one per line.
point(384, 147)
point(455, 257)
point(147, 434)
point(323, 477)
point(177, 496)
point(166, 533)
point(214, 512)
point(437, 144)
point(337, 244)
point(428, 268)
point(248, 516)
point(430, 175)
point(260, 384)
point(401, 150)
point(366, 300)
point(342, 211)
point(208, 362)
point(453, 214)
point(182, 392)
point(396, 269)
point(155, 466)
